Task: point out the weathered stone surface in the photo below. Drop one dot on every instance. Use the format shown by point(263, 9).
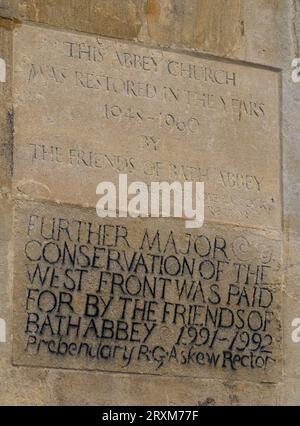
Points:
point(264, 29)
point(134, 296)
point(292, 262)
point(25, 386)
point(6, 168)
point(291, 201)
point(215, 28)
point(87, 109)
point(5, 280)
point(247, 30)
point(291, 367)
point(189, 23)
point(7, 9)
point(289, 392)
point(291, 307)
point(6, 110)
point(138, 389)
point(115, 18)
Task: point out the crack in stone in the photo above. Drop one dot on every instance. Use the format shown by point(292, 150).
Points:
point(295, 40)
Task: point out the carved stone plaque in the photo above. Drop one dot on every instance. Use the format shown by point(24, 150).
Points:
point(131, 296)
point(89, 108)
point(144, 295)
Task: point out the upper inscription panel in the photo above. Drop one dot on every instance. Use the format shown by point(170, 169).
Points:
point(89, 108)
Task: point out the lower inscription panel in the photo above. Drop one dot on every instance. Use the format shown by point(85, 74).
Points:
point(136, 296)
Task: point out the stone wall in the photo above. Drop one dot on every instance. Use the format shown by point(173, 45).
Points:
point(97, 88)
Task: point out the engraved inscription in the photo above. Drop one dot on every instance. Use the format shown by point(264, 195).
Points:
point(100, 295)
point(88, 108)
